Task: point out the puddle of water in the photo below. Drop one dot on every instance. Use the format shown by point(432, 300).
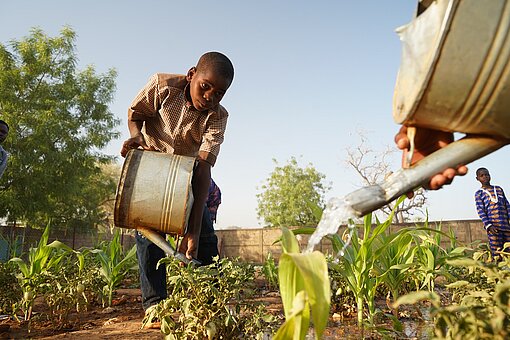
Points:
point(348, 329)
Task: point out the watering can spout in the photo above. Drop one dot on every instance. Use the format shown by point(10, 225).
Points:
point(461, 152)
point(158, 240)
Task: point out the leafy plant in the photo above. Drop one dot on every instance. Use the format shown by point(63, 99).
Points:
point(478, 311)
point(10, 289)
point(304, 286)
point(211, 302)
point(430, 257)
point(395, 256)
point(40, 260)
point(63, 288)
point(358, 262)
point(270, 271)
point(114, 265)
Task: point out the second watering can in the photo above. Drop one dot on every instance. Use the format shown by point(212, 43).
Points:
point(454, 76)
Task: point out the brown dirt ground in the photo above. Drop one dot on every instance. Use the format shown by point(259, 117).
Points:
point(122, 321)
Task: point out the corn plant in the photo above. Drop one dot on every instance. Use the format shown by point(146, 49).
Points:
point(357, 263)
point(430, 257)
point(359, 260)
point(478, 311)
point(270, 271)
point(304, 286)
point(395, 256)
point(114, 265)
point(41, 259)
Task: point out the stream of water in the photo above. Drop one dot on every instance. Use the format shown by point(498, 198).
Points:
point(336, 214)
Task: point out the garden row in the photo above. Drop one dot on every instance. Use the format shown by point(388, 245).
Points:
point(223, 300)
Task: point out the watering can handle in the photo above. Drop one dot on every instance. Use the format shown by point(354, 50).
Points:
point(461, 152)
point(158, 240)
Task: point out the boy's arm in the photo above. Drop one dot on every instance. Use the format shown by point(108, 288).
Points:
point(136, 139)
point(200, 184)
point(145, 104)
point(480, 208)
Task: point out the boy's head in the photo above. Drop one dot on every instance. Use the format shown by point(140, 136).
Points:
point(209, 80)
point(4, 130)
point(483, 176)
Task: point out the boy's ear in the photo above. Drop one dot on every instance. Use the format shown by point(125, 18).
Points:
point(192, 71)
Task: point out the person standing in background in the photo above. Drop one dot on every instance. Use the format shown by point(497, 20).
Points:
point(493, 209)
point(213, 200)
point(4, 131)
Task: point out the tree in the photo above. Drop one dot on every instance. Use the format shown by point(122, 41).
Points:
point(290, 195)
point(373, 167)
point(59, 120)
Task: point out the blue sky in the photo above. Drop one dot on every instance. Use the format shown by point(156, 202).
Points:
point(309, 75)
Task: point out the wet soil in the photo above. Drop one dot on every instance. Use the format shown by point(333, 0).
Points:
point(124, 320)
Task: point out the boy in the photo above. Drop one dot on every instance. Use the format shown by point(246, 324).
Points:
point(4, 130)
point(181, 114)
point(493, 209)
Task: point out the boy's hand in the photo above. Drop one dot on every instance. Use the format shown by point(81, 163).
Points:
point(492, 230)
point(189, 246)
point(426, 142)
point(134, 143)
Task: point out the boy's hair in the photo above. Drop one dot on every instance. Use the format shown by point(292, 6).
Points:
point(480, 170)
point(3, 122)
point(217, 60)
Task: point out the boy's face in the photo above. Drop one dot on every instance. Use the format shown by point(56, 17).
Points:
point(484, 177)
point(207, 88)
point(3, 132)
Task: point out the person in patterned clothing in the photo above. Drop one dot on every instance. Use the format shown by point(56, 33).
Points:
point(4, 155)
point(493, 209)
point(182, 115)
point(213, 200)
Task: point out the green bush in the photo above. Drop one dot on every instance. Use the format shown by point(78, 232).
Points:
point(212, 302)
point(10, 290)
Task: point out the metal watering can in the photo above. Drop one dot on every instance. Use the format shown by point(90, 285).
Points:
point(454, 76)
point(154, 195)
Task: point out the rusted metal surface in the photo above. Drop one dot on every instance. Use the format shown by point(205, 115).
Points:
point(154, 192)
point(455, 68)
point(454, 76)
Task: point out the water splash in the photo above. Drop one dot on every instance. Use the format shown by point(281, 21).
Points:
point(336, 214)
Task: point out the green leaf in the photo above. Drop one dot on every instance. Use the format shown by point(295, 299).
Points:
point(289, 241)
point(296, 324)
point(415, 297)
point(314, 270)
point(458, 284)
point(306, 272)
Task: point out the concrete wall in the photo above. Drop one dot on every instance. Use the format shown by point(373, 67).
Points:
point(253, 245)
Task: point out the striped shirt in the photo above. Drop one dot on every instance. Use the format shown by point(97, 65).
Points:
point(492, 212)
point(172, 124)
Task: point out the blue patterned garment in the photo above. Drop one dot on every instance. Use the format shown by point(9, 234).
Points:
point(3, 160)
point(493, 209)
point(213, 200)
